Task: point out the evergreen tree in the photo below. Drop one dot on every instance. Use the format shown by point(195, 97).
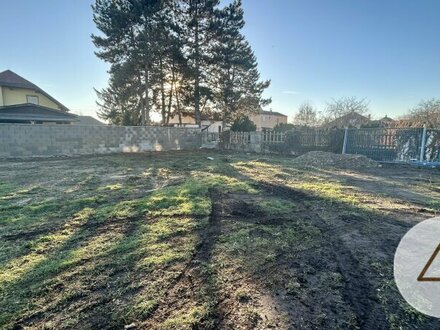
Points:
point(175, 57)
point(120, 103)
point(197, 20)
point(235, 79)
point(131, 34)
point(243, 124)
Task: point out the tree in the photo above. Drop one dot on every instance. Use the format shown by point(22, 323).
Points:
point(306, 115)
point(243, 124)
point(346, 105)
point(427, 112)
point(132, 37)
point(283, 127)
point(196, 17)
point(119, 103)
point(235, 79)
point(174, 57)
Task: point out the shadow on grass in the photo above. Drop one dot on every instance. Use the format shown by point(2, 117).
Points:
point(319, 264)
point(355, 242)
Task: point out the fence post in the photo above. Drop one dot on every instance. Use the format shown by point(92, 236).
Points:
point(423, 144)
point(344, 146)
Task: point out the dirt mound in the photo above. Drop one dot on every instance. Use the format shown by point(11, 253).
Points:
point(322, 159)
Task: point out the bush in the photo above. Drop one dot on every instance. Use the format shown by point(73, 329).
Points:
point(243, 124)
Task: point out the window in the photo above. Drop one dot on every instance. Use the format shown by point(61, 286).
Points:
point(32, 99)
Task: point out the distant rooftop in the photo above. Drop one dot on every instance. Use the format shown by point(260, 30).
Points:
point(88, 121)
point(273, 113)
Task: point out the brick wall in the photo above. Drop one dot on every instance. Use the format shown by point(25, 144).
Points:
point(19, 140)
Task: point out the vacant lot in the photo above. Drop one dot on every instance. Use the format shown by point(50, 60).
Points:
point(175, 240)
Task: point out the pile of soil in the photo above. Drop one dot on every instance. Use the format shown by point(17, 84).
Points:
point(322, 159)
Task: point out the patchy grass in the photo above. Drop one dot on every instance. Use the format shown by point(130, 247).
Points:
point(177, 241)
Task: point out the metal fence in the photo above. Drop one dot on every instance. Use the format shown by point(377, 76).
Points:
point(301, 140)
point(380, 144)
point(394, 144)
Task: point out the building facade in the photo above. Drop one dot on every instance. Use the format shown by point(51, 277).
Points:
point(268, 119)
point(24, 102)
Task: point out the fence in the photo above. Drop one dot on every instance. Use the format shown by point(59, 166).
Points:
point(292, 142)
point(273, 137)
point(242, 141)
point(21, 140)
point(301, 140)
point(381, 144)
point(394, 144)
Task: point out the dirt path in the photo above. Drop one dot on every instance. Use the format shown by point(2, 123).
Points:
point(183, 293)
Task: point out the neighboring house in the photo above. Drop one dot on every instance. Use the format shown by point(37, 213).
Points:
point(88, 121)
point(23, 102)
point(386, 121)
point(268, 119)
point(186, 120)
point(207, 124)
point(383, 122)
point(352, 119)
point(214, 126)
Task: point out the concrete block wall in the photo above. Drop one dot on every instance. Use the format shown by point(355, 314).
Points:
point(20, 140)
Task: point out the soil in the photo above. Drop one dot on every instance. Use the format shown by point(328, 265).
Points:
point(321, 159)
point(322, 264)
point(337, 283)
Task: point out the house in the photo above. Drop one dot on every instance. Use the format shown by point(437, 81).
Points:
point(211, 125)
point(352, 119)
point(386, 121)
point(383, 122)
point(23, 102)
point(268, 119)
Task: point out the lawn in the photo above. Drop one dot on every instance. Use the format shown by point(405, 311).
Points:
point(175, 240)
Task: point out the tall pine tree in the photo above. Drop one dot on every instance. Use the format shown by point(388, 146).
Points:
point(131, 33)
point(175, 57)
point(198, 16)
point(235, 80)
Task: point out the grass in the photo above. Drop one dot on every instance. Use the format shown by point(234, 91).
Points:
point(105, 239)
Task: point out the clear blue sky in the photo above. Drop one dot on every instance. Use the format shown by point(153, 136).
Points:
point(312, 50)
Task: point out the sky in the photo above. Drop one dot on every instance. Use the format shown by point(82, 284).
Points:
point(387, 51)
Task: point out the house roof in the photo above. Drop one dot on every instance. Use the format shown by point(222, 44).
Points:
point(273, 113)
point(9, 78)
point(33, 112)
point(386, 119)
point(350, 119)
point(88, 121)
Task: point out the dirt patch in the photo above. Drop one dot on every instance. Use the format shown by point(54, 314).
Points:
point(320, 159)
point(226, 246)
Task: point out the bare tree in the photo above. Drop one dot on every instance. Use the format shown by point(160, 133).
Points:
point(306, 115)
point(346, 105)
point(426, 112)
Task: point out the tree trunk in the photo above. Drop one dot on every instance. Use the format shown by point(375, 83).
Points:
point(170, 100)
point(179, 112)
point(162, 92)
point(135, 118)
point(146, 115)
point(197, 69)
